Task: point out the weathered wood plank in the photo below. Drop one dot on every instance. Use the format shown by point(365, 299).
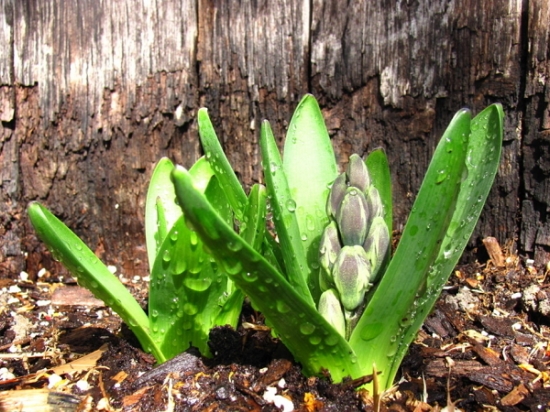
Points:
point(92, 94)
point(535, 132)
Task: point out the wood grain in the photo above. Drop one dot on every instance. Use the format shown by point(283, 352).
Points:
point(92, 94)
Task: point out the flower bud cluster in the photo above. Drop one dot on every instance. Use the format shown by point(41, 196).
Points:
point(353, 246)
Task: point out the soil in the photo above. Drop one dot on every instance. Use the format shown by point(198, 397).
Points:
point(484, 347)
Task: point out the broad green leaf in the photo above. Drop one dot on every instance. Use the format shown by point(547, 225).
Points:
point(310, 168)
point(161, 212)
point(272, 252)
point(377, 334)
point(187, 290)
point(221, 166)
point(252, 231)
point(92, 274)
point(284, 215)
point(303, 330)
point(379, 172)
point(253, 225)
point(482, 161)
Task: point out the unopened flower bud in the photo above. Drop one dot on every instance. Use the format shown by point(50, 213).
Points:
point(351, 273)
point(376, 207)
point(337, 192)
point(331, 310)
point(353, 217)
point(357, 173)
point(328, 253)
point(376, 246)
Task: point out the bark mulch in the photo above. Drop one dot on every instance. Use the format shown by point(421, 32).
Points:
point(483, 348)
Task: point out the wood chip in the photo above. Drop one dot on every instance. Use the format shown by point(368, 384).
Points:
point(494, 251)
point(515, 396)
point(38, 400)
point(75, 296)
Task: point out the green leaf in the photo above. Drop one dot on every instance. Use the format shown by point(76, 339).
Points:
point(379, 172)
point(310, 168)
point(188, 291)
point(303, 330)
point(482, 161)
point(221, 166)
point(253, 227)
point(252, 231)
point(284, 215)
point(161, 211)
point(92, 274)
point(377, 335)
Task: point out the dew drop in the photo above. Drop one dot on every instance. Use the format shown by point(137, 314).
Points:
point(331, 340)
point(291, 205)
point(250, 277)
point(392, 350)
point(232, 267)
point(56, 255)
point(235, 245)
point(198, 285)
point(310, 223)
point(307, 328)
point(315, 340)
point(371, 331)
point(273, 167)
point(441, 176)
point(190, 309)
point(282, 307)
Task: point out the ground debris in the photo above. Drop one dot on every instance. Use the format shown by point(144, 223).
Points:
point(485, 346)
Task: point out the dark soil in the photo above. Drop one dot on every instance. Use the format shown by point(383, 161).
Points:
point(484, 347)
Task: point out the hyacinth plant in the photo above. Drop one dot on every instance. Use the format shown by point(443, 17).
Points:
point(325, 280)
point(188, 293)
point(328, 287)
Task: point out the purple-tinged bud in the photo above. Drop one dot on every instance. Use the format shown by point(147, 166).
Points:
point(357, 173)
point(331, 309)
point(329, 248)
point(337, 192)
point(353, 217)
point(377, 246)
point(376, 207)
point(351, 273)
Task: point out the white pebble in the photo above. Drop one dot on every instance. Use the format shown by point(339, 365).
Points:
point(270, 395)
